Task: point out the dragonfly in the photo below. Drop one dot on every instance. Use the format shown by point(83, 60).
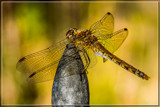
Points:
point(100, 40)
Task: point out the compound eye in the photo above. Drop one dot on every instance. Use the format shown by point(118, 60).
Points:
point(73, 29)
point(69, 32)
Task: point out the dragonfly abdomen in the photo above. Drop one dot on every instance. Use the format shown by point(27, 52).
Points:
point(129, 68)
point(101, 51)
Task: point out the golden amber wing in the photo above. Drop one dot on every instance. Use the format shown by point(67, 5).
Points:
point(104, 26)
point(41, 66)
point(113, 41)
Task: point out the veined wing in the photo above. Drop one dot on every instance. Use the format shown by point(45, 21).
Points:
point(103, 30)
point(113, 41)
point(104, 26)
point(92, 58)
point(41, 66)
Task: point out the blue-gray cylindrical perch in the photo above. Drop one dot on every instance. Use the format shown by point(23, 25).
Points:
point(70, 86)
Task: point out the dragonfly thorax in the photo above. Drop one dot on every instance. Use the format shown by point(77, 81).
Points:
point(86, 38)
point(81, 38)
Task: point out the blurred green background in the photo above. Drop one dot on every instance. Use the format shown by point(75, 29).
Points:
point(30, 27)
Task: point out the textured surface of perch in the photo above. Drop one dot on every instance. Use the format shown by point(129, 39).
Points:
point(70, 87)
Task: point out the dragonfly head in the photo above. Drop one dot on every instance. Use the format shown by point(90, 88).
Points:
point(71, 34)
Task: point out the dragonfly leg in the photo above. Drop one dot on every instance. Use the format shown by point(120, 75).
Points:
point(87, 59)
point(74, 57)
point(70, 47)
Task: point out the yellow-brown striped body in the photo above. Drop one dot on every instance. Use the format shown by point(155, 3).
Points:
point(88, 40)
point(101, 51)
